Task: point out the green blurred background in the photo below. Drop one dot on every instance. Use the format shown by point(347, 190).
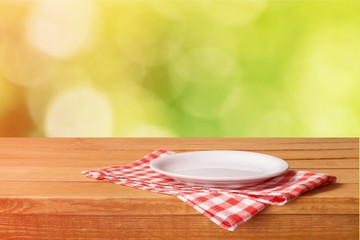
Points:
point(180, 68)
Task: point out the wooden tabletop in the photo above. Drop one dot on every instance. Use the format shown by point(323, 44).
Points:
point(43, 194)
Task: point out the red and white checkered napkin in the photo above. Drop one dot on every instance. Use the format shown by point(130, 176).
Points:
point(226, 207)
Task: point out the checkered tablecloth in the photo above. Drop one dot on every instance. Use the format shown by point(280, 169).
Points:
point(228, 208)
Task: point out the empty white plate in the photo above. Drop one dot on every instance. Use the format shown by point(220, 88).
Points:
point(220, 168)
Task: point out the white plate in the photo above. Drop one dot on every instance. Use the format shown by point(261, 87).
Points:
point(219, 168)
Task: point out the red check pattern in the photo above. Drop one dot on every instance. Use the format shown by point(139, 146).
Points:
point(228, 208)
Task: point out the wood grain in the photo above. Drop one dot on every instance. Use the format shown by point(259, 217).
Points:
point(329, 227)
point(43, 194)
point(145, 203)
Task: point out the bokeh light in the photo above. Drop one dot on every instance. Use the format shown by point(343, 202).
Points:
point(91, 114)
point(60, 28)
point(200, 68)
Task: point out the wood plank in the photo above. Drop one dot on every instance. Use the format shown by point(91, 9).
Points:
point(320, 227)
point(284, 148)
point(324, 164)
point(92, 188)
point(98, 160)
point(74, 174)
point(164, 205)
point(109, 199)
point(44, 196)
point(343, 175)
point(96, 189)
point(99, 154)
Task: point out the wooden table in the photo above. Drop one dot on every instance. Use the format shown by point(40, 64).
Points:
point(44, 196)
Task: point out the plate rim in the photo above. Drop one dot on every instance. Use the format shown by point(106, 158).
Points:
point(219, 179)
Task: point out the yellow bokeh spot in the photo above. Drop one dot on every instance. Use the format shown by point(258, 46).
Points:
point(60, 28)
point(79, 112)
point(235, 13)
